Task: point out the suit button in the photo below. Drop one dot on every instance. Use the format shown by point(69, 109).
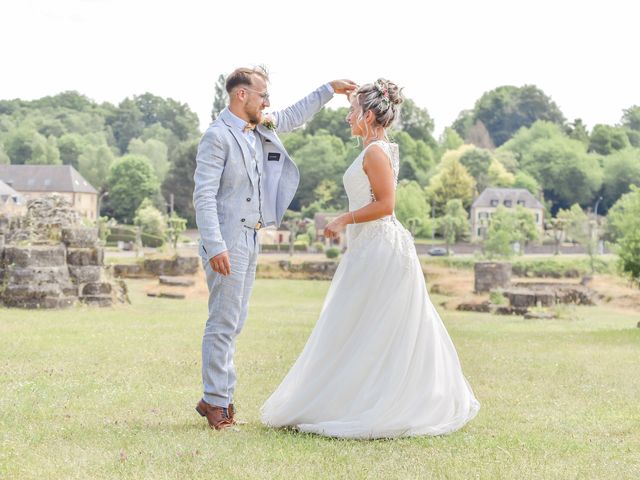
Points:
point(242, 219)
point(248, 199)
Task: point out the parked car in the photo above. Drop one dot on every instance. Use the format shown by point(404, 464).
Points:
point(437, 251)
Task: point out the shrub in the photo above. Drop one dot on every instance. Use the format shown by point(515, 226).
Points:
point(318, 246)
point(332, 252)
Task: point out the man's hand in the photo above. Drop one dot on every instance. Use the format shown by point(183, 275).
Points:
point(220, 263)
point(344, 87)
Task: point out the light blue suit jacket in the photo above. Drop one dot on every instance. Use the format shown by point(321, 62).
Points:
point(222, 196)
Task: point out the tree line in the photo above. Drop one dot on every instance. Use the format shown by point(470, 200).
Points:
point(145, 147)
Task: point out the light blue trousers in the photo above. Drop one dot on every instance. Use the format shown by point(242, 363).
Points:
point(228, 307)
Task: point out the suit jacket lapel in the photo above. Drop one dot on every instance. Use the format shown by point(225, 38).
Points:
point(242, 143)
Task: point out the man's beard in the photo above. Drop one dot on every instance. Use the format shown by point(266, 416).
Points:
point(254, 118)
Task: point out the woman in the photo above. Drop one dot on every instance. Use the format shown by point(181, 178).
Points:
point(379, 362)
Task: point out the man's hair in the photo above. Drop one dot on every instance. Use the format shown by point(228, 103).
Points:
point(243, 76)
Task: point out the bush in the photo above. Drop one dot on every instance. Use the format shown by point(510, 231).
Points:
point(150, 219)
point(332, 252)
point(302, 239)
point(318, 246)
point(497, 298)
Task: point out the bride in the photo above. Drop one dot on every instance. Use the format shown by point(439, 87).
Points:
point(379, 362)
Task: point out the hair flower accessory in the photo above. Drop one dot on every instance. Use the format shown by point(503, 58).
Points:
point(384, 91)
point(269, 122)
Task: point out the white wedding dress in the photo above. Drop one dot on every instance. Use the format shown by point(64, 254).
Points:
point(379, 362)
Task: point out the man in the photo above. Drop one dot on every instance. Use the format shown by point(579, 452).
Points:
point(244, 180)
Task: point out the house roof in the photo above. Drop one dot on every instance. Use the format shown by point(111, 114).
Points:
point(501, 194)
point(44, 178)
point(7, 192)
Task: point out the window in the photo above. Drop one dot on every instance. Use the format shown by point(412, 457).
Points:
point(508, 203)
point(537, 218)
point(483, 215)
point(494, 202)
point(521, 202)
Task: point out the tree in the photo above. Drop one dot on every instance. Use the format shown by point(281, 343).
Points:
point(126, 122)
point(221, 98)
point(4, 158)
point(450, 140)
point(451, 181)
point(155, 151)
point(506, 109)
point(624, 216)
point(498, 176)
point(417, 123)
point(526, 181)
point(568, 174)
point(131, 180)
point(454, 224)
point(175, 227)
point(70, 146)
point(44, 151)
point(561, 165)
point(150, 219)
point(508, 227)
point(579, 228)
point(321, 158)
point(527, 230)
point(463, 123)
point(501, 234)
point(412, 209)
point(621, 170)
point(578, 131)
point(417, 158)
point(169, 113)
point(330, 122)
point(479, 136)
point(606, 139)
point(477, 162)
point(631, 117)
point(94, 164)
point(179, 181)
point(629, 253)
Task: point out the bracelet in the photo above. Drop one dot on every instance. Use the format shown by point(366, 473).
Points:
point(353, 218)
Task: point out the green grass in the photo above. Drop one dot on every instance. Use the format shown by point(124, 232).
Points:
point(91, 393)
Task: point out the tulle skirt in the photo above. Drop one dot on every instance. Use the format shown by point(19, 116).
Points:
point(379, 362)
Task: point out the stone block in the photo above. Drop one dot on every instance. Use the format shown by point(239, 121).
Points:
point(35, 256)
point(82, 257)
point(128, 271)
point(97, 288)
point(491, 275)
point(97, 300)
point(85, 274)
point(176, 281)
point(79, 237)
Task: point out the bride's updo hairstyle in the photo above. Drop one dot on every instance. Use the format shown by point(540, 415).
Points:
point(383, 98)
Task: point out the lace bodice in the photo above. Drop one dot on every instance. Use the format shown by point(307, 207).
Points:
point(387, 229)
point(356, 182)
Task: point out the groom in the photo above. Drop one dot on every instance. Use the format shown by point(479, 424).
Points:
point(244, 180)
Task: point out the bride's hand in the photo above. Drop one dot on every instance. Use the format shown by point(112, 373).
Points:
point(335, 227)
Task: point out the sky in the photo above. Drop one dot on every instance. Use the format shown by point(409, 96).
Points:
point(445, 54)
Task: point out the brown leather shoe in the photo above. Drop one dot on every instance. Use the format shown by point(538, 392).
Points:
point(231, 411)
point(216, 416)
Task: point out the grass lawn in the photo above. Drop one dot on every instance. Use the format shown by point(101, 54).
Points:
point(90, 393)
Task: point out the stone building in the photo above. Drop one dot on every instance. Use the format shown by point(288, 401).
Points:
point(12, 204)
point(37, 181)
point(491, 198)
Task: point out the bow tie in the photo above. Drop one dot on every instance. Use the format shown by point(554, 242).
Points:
point(248, 127)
